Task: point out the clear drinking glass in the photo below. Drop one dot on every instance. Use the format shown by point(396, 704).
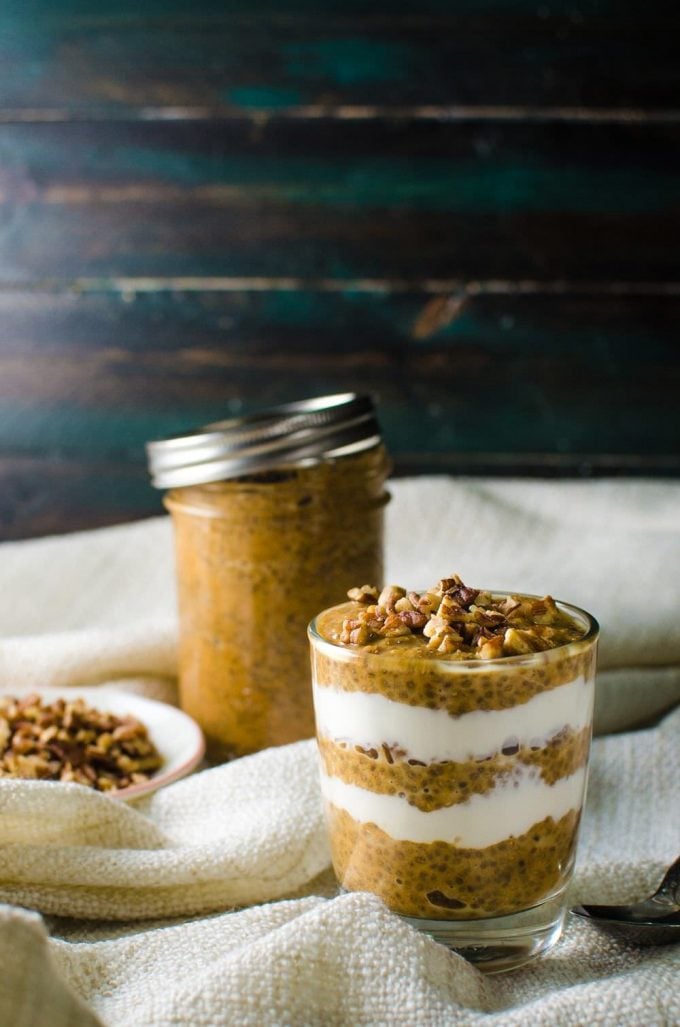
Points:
point(454, 788)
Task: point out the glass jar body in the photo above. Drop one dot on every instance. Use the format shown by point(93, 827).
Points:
point(256, 558)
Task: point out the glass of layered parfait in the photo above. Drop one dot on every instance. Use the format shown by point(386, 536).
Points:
point(454, 729)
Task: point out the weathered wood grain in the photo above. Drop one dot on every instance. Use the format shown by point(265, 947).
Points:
point(96, 375)
point(315, 199)
point(547, 383)
point(124, 57)
point(45, 495)
point(469, 209)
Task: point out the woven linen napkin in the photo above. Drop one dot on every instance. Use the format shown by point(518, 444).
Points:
point(237, 855)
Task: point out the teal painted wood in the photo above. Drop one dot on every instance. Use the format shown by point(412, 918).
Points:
point(119, 58)
point(470, 209)
point(475, 167)
point(44, 495)
point(510, 385)
point(95, 376)
point(323, 199)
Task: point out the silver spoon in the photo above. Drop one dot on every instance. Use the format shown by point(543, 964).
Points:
point(654, 921)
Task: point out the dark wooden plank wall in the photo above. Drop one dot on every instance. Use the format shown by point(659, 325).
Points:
point(472, 209)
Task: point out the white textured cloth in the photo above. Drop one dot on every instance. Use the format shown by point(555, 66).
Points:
point(99, 607)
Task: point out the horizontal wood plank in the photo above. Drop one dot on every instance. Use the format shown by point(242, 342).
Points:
point(45, 495)
point(313, 199)
point(97, 375)
point(125, 57)
point(530, 384)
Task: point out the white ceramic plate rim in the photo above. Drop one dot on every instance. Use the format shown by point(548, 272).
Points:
point(177, 737)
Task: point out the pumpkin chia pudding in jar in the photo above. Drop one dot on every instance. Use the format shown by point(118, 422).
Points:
point(454, 728)
point(264, 509)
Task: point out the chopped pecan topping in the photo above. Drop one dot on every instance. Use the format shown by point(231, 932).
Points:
point(450, 610)
point(457, 620)
point(390, 596)
point(366, 594)
point(464, 595)
point(427, 603)
point(70, 741)
point(413, 619)
point(446, 584)
point(491, 648)
point(394, 626)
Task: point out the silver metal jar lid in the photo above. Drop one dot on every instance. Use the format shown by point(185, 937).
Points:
point(293, 434)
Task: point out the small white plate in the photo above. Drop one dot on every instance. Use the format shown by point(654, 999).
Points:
point(177, 737)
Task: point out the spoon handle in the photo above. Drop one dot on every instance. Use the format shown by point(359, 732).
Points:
point(670, 886)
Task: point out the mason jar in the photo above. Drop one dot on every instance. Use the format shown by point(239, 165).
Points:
point(275, 516)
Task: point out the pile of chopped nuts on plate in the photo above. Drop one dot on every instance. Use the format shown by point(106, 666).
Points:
point(68, 740)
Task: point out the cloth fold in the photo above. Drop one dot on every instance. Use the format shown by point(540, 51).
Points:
point(211, 901)
point(336, 959)
point(340, 962)
point(249, 831)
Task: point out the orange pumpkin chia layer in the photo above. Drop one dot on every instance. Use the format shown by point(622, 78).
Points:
point(412, 676)
point(434, 785)
point(439, 881)
point(407, 668)
point(256, 558)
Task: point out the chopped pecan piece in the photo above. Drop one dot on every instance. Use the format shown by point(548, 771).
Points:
point(360, 635)
point(366, 594)
point(413, 619)
point(389, 597)
point(394, 626)
point(447, 584)
point(491, 648)
point(517, 642)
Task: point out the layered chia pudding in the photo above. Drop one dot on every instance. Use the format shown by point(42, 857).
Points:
point(453, 728)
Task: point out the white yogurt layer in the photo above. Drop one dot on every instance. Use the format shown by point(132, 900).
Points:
point(506, 811)
point(369, 719)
